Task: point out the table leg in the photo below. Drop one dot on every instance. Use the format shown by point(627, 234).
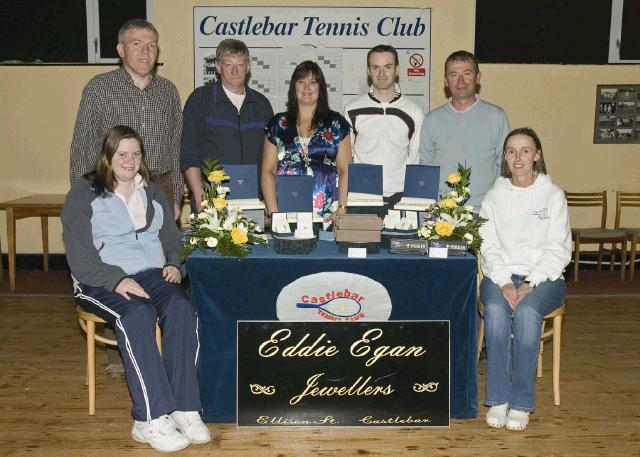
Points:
point(44, 222)
point(11, 240)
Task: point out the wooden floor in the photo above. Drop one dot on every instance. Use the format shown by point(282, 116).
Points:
point(43, 403)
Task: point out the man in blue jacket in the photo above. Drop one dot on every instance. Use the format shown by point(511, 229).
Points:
point(224, 120)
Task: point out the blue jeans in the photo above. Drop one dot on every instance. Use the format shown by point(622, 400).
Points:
point(513, 340)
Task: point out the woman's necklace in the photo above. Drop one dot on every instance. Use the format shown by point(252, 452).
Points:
point(304, 145)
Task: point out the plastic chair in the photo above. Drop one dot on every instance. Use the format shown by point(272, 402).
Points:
point(628, 199)
point(88, 323)
point(596, 235)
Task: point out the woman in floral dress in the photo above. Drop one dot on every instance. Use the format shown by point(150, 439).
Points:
point(308, 139)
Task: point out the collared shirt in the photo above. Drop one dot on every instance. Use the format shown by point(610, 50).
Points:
point(475, 102)
point(136, 204)
point(111, 99)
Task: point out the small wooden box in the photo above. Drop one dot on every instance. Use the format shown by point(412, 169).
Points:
point(359, 230)
point(359, 222)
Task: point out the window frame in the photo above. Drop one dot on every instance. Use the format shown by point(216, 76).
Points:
point(615, 33)
point(94, 49)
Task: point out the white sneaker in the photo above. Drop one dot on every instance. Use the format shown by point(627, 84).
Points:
point(160, 433)
point(497, 416)
point(517, 420)
point(191, 425)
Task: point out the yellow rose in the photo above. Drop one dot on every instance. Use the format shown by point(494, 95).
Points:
point(454, 178)
point(444, 228)
point(238, 236)
point(219, 203)
point(217, 176)
point(448, 203)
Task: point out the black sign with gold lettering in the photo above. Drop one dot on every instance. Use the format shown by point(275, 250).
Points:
point(343, 374)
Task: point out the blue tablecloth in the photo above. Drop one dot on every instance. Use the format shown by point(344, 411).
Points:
point(225, 290)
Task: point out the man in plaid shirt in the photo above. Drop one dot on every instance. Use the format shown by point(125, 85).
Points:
point(133, 96)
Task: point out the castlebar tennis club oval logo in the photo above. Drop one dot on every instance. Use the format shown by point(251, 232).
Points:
point(334, 296)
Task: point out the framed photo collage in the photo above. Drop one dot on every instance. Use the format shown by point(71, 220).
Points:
point(617, 118)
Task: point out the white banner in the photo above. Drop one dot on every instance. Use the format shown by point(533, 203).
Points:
point(334, 296)
point(336, 38)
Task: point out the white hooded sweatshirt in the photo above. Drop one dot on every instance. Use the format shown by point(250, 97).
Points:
point(527, 232)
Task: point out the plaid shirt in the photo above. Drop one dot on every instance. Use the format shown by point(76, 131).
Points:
point(112, 99)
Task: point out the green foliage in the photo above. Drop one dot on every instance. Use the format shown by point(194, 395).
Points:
point(217, 227)
point(449, 218)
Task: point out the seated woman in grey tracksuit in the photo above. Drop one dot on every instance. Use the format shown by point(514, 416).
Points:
point(123, 248)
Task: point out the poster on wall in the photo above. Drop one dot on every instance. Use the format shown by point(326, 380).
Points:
point(338, 39)
point(617, 114)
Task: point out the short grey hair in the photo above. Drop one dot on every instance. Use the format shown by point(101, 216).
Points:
point(231, 46)
point(462, 56)
point(135, 24)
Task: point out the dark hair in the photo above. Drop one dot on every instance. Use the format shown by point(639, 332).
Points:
point(461, 56)
point(383, 48)
point(135, 24)
point(538, 166)
point(102, 178)
point(322, 108)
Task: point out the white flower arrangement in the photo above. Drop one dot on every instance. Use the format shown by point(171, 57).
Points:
point(218, 227)
point(449, 218)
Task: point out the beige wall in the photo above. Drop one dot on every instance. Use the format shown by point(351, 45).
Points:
point(39, 106)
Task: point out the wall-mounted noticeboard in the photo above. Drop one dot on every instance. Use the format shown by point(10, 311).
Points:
point(337, 38)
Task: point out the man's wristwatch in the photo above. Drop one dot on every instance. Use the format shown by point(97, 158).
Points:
point(529, 283)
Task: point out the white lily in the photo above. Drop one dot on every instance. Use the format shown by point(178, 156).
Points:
point(227, 224)
point(213, 222)
point(454, 220)
point(234, 213)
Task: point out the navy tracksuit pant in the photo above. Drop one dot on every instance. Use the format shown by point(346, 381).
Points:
point(158, 384)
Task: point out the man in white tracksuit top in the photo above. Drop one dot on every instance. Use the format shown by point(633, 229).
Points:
point(386, 124)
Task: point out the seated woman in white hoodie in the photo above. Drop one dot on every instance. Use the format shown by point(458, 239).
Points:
point(526, 246)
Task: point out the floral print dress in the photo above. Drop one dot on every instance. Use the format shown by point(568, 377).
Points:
point(320, 159)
